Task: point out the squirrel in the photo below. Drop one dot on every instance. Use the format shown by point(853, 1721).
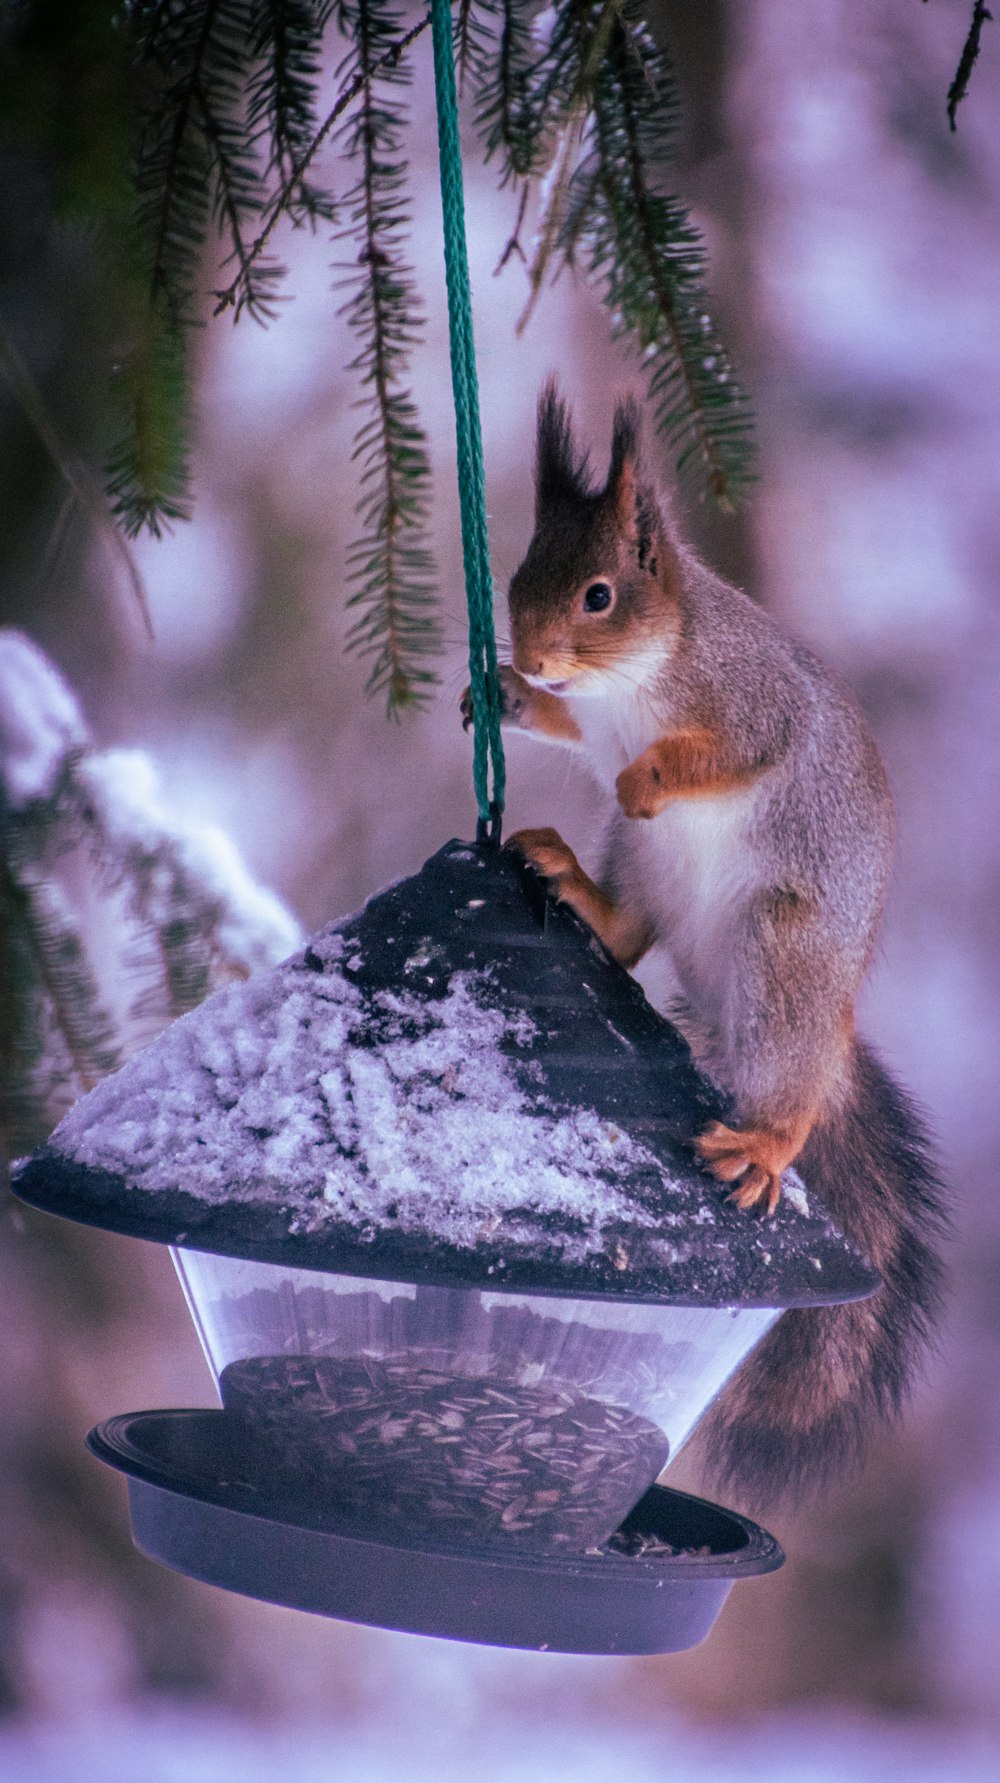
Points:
point(752, 838)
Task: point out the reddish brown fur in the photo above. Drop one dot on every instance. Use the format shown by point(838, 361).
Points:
point(624, 938)
point(754, 1156)
point(802, 1406)
point(692, 761)
point(530, 709)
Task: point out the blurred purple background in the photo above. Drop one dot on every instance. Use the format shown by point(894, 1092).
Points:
point(855, 256)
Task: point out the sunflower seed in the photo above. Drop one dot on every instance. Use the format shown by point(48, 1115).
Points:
point(403, 1444)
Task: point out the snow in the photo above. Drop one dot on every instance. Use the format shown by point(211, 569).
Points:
point(274, 1089)
point(252, 925)
point(543, 26)
point(795, 1192)
point(431, 1744)
point(40, 722)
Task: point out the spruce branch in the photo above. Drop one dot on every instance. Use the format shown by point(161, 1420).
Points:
point(185, 893)
point(236, 197)
point(49, 982)
point(233, 296)
point(647, 255)
point(27, 1062)
point(637, 243)
point(212, 105)
point(147, 475)
point(194, 163)
point(113, 918)
point(390, 564)
point(513, 244)
point(174, 165)
point(581, 108)
point(66, 93)
point(468, 36)
point(65, 975)
point(535, 98)
point(502, 55)
point(287, 40)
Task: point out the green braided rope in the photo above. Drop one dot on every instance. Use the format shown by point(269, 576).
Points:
point(484, 676)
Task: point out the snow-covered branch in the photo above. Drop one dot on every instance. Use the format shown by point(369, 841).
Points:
point(114, 916)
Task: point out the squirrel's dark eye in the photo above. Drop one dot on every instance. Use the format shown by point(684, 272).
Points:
point(598, 597)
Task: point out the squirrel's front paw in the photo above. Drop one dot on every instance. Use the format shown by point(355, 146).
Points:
point(546, 851)
point(640, 787)
point(514, 695)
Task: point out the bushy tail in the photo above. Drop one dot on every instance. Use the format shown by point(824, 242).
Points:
point(802, 1408)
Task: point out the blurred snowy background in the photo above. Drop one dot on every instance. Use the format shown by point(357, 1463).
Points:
point(855, 265)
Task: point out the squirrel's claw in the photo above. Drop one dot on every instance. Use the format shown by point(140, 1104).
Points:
point(545, 850)
point(746, 1158)
point(511, 698)
point(758, 1189)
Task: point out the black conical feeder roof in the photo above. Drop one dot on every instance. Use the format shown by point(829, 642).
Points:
point(456, 1086)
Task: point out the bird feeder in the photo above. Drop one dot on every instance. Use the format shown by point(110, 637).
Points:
point(429, 1191)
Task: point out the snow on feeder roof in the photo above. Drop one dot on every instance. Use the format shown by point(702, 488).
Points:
point(458, 1086)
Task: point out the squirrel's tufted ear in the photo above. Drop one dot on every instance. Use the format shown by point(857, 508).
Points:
point(631, 500)
point(560, 470)
point(624, 446)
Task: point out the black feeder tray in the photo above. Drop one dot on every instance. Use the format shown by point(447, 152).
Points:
point(429, 1191)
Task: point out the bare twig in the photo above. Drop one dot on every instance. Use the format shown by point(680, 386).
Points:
point(514, 244)
point(84, 487)
point(556, 183)
point(553, 189)
point(967, 61)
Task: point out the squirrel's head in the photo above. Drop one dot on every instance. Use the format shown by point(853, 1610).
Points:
point(595, 597)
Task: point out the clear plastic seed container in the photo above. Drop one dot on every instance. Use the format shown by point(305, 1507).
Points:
point(523, 1419)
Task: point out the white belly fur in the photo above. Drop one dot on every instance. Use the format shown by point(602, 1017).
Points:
point(691, 867)
point(695, 875)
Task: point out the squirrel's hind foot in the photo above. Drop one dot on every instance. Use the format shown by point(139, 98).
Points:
point(752, 1158)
